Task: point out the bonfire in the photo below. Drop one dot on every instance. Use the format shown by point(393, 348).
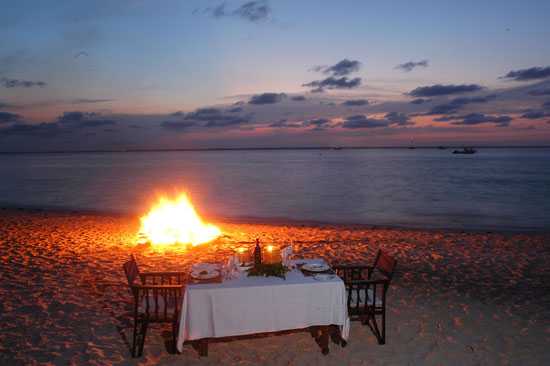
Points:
point(175, 221)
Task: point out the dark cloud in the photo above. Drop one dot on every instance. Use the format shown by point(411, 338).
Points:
point(7, 117)
point(355, 102)
point(38, 130)
point(90, 101)
point(252, 11)
point(409, 66)
point(235, 110)
point(546, 104)
point(398, 118)
point(285, 124)
point(178, 114)
point(362, 121)
point(539, 92)
point(455, 104)
point(298, 98)
point(535, 114)
point(439, 90)
point(480, 118)
point(420, 101)
point(342, 68)
point(83, 119)
point(333, 83)
point(177, 125)
point(533, 73)
point(17, 83)
point(318, 124)
point(267, 98)
point(214, 117)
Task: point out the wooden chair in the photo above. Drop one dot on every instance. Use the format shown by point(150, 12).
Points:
point(157, 299)
point(366, 287)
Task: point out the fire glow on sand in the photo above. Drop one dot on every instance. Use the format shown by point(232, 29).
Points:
point(175, 221)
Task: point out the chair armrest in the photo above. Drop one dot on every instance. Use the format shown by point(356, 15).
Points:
point(352, 272)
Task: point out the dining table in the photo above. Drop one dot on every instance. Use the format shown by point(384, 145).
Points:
point(242, 305)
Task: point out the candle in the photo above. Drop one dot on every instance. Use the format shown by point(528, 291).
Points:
point(272, 254)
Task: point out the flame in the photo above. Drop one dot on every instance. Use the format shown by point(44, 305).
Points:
point(176, 222)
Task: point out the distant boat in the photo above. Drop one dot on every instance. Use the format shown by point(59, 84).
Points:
point(466, 150)
point(442, 147)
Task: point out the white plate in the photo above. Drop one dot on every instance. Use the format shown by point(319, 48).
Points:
point(324, 277)
point(204, 267)
point(315, 267)
point(204, 276)
point(245, 268)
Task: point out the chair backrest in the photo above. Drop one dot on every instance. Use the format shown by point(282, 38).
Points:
point(131, 270)
point(385, 263)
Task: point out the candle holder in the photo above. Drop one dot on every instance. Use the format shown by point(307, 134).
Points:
point(271, 254)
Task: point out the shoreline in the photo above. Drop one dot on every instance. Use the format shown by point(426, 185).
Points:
point(282, 221)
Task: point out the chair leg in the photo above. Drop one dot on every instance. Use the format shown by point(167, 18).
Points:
point(143, 333)
point(383, 340)
point(135, 338)
point(175, 328)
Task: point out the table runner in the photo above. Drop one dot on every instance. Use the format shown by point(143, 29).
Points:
point(249, 305)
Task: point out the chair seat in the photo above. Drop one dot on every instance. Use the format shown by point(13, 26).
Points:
point(370, 296)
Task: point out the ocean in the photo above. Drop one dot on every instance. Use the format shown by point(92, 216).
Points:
point(494, 189)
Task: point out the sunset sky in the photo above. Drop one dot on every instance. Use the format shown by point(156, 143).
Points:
point(80, 75)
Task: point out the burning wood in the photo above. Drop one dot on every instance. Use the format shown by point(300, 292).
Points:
point(175, 221)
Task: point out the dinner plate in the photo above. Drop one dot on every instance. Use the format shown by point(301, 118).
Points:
point(315, 267)
point(204, 274)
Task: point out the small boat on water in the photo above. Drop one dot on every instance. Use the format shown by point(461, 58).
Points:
point(466, 150)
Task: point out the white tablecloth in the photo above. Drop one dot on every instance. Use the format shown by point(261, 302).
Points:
point(248, 305)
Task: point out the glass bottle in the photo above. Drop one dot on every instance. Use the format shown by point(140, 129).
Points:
point(257, 253)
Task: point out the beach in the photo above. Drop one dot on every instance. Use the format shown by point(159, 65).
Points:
point(458, 298)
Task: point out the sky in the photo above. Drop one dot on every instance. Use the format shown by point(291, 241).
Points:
point(137, 74)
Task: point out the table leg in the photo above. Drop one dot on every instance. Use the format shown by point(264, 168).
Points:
point(203, 347)
point(323, 340)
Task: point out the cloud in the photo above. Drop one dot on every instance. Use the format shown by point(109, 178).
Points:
point(298, 98)
point(398, 118)
point(83, 119)
point(38, 130)
point(17, 83)
point(362, 121)
point(454, 104)
point(214, 117)
point(409, 66)
point(342, 68)
point(7, 117)
point(420, 101)
point(333, 83)
point(439, 90)
point(539, 92)
point(285, 124)
point(319, 124)
point(177, 125)
point(235, 110)
point(355, 102)
point(532, 73)
point(90, 101)
point(480, 118)
point(252, 11)
point(546, 104)
point(535, 114)
point(267, 98)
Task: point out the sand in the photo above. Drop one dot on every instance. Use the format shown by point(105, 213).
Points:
point(458, 298)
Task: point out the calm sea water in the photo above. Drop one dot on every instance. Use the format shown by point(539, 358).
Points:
point(494, 189)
